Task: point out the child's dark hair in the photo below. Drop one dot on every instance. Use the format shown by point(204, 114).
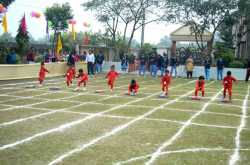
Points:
point(201, 78)
point(229, 73)
point(12, 49)
point(42, 63)
point(133, 81)
point(167, 71)
point(70, 64)
point(80, 70)
point(112, 66)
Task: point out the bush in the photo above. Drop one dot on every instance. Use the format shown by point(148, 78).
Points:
point(236, 64)
point(40, 58)
point(245, 63)
point(226, 53)
point(18, 59)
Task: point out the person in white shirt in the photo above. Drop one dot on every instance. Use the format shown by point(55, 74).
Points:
point(90, 59)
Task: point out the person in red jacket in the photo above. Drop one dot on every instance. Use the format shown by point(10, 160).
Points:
point(84, 79)
point(165, 81)
point(227, 82)
point(111, 74)
point(200, 87)
point(133, 87)
point(70, 75)
point(43, 70)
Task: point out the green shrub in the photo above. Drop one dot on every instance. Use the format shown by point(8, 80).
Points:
point(40, 58)
point(18, 59)
point(245, 63)
point(236, 64)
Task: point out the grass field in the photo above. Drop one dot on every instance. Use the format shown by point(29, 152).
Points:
point(41, 126)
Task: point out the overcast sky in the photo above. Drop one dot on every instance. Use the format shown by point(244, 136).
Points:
point(37, 27)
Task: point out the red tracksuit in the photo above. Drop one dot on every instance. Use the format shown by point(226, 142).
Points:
point(112, 75)
point(227, 82)
point(70, 75)
point(200, 87)
point(83, 80)
point(135, 87)
point(165, 80)
point(43, 70)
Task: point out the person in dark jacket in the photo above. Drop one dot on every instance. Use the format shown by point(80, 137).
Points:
point(174, 65)
point(100, 59)
point(208, 62)
point(71, 59)
point(160, 65)
point(152, 60)
point(11, 57)
point(142, 59)
point(220, 68)
point(164, 64)
point(124, 63)
point(248, 71)
point(31, 56)
point(92, 51)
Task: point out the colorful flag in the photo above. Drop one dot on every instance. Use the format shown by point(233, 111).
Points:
point(59, 45)
point(47, 27)
point(4, 24)
point(86, 40)
point(73, 32)
point(23, 26)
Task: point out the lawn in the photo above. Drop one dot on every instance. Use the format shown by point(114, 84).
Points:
point(43, 126)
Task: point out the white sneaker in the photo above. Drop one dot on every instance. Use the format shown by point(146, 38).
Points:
point(67, 86)
point(84, 88)
point(88, 75)
point(164, 93)
point(138, 75)
point(144, 75)
point(175, 77)
point(155, 76)
point(40, 85)
point(92, 75)
point(111, 90)
point(72, 84)
point(77, 88)
point(202, 98)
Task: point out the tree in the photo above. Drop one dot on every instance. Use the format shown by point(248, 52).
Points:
point(22, 40)
point(208, 15)
point(225, 32)
point(165, 41)
point(6, 3)
point(58, 14)
point(8, 36)
point(127, 12)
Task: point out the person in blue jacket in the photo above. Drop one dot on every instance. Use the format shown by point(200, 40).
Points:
point(164, 63)
point(100, 59)
point(174, 65)
point(152, 60)
point(143, 59)
point(220, 68)
point(11, 57)
point(124, 63)
point(160, 65)
point(208, 62)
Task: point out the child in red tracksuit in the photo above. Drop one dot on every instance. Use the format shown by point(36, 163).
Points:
point(43, 70)
point(165, 81)
point(84, 79)
point(200, 87)
point(133, 87)
point(111, 74)
point(227, 82)
point(70, 75)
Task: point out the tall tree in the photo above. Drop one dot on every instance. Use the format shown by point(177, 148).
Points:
point(58, 14)
point(208, 15)
point(165, 41)
point(114, 13)
point(22, 40)
point(6, 3)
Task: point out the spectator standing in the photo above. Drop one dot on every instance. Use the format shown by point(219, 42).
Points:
point(31, 56)
point(100, 59)
point(143, 60)
point(220, 68)
point(90, 59)
point(65, 57)
point(174, 65)
point(60, 57)
point(48, 56)
point(248, 71)
point(76, 58)
point(153, 60)
point(11, 57)
point(189, 66)
point(159, 64)
point(92, 52)
point(208, 62)
point(165, 63)
point(71, 59)
point(124, 63)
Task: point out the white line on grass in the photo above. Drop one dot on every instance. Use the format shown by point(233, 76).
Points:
point(167, 143)
point(62, 126)
point(114, 131)
point(235, 157)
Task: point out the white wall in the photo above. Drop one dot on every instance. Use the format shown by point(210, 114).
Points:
point(107, 65)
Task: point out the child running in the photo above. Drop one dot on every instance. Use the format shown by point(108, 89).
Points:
point(133, 87)
point(43, 70)
point(111, 74)
point(200, 87)
point(70, 75)
point(227, 82)
point(84, 79)
point(165, 81)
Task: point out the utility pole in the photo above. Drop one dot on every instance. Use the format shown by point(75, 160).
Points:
point(143, 27)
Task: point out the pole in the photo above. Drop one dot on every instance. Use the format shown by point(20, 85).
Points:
point(143, 28)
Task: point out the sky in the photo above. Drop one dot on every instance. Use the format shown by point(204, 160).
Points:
point(37, 27)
